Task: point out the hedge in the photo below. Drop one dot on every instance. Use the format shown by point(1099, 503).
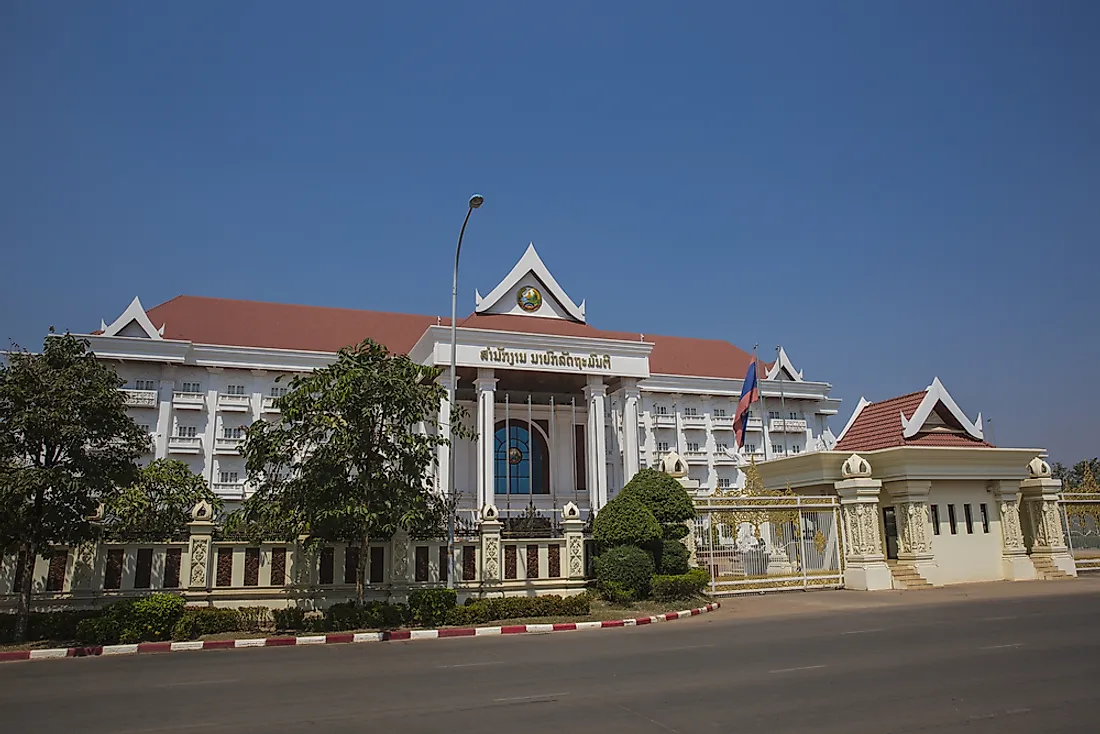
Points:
point(199, 621)
point(146, 619)
point(625, 521)
point(429, 607)
point(623, 573)
point(480, 611)
point(681, 586)
point(59, 625)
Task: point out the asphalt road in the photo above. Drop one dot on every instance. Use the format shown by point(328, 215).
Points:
point(825, 662)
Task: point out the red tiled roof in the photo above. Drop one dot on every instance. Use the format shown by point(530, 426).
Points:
point(229, 322)
point(878, 426)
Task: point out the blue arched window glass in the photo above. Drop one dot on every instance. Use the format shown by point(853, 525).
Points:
point(521, 464)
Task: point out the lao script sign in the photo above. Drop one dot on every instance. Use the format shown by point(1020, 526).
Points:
point(547, 358)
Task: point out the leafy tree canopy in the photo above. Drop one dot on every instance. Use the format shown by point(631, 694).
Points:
point(346, 461)
point(625, 521)
point(66, 443)
point(1075, 476)
point(157, 507)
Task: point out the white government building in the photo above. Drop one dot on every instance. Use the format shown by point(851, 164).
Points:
point(585, 408)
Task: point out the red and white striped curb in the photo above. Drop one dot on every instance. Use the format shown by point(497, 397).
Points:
point(343, 637)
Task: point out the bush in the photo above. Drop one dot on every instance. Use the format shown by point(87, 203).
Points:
point(199, 621)
point(675, 531)
point(480, 611)
point(291, 619)
point(628, 567)
point(59, 625)
point(151, 618)
point(662, 495)
point(96, 631)
point(429, 607)
point(617, 594)
point(625, 521)
point(674, 558)
point(681, 586)
point(255, 619)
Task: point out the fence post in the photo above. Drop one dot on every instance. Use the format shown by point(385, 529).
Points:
point(573, 526)
point(201, 530)
point(1039, 493)
point(85, 557)
point(866, 567)
point(489, 529)
point(399, 572)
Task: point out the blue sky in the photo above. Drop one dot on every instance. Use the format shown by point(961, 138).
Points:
point(893, 191)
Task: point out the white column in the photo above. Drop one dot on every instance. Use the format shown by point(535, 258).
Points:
point(1017, 566)
point(444, 454)
point(631, 396)
point(1039, 494)
point(164, 417)
point(486, 429)
point(910, 498)
point(866, 567)
point(595, 393)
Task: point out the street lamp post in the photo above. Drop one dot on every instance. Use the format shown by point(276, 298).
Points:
point(475, 201)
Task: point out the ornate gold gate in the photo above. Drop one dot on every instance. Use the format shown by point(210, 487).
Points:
point(1081, 522)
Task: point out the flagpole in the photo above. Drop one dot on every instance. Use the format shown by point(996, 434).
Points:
point(763, 409)
point(782, 402)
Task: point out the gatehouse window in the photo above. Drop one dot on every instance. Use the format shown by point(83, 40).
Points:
point(985, 517)
point(521, 460)
point(936, 519)
point(951, 519)
point(969, 519)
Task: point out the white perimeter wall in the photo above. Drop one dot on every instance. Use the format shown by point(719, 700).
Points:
point(965, 557)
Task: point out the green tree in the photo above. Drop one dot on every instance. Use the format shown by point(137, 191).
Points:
point(625, 521)
point(1075, 477)
point(345, 462)
point(157, 507)
point(66, 443)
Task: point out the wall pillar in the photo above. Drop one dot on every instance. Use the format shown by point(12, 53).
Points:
point(486, 435)
point(490, 528)
point(865, 563)
point(399, 570)
point(1014, 558)
point(631, 397)
point(595, 393)
point(910, 499)
point(201, 530)
point(573, 527)
point(1039, 493)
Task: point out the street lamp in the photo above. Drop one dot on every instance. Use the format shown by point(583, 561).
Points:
point(475, 201)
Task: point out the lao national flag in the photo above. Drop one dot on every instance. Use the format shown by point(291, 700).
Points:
point(749, 395)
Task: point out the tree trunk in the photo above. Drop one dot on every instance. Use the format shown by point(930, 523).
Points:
point(361, 571)
point(23, 608)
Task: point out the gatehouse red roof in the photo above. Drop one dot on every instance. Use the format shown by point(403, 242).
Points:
point(878, 426)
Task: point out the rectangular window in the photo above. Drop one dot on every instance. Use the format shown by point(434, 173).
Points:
point(662, 447)
point(792, 415)
point(421, 564)
point(719, 412)
point(192, 387)
point(796, 449)
point(773, 413)
point(691, 411)
point(351, 564)
point(581, 455)
point(660, 410)
point(278, 566)
point(251, 566)
point(225, 567)
point(693, 448)
point(444, 564)
point(328, 560)
point(721, 447)
point(510, 561)
point(969, 519)
point(143, 573)
point(553, 561)
point(377, 563)
point(55, 576)
point(145, 427)
point(951, 519)
point(235, 432)
point(278, 392)
point(724, 483)
point(935, 519)
point(228, 477)
point(186, 431)
point(532, 559)
point(751, 448)
point(777, 448)
point(112, 577)
point(469, 562)
point(173, 558)
point(145, 385)
point(234, 390)
point(985, 517)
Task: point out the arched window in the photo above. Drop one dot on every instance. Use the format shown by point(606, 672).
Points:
point(521, 460)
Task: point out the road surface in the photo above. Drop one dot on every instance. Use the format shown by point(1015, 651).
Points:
point(993, 658)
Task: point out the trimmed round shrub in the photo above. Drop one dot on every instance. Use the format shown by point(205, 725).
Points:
point(664, 496)
point(624, 521)
point(675, 531)
point(625, 568)
point(674, 558)
point(429, 607)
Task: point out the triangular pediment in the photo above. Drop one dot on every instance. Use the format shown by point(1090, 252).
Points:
point(783, 368)
point(134, 323)
point(530, 290)
point(939, 413)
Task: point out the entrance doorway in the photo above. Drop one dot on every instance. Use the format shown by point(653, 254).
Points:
point(890, 526)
